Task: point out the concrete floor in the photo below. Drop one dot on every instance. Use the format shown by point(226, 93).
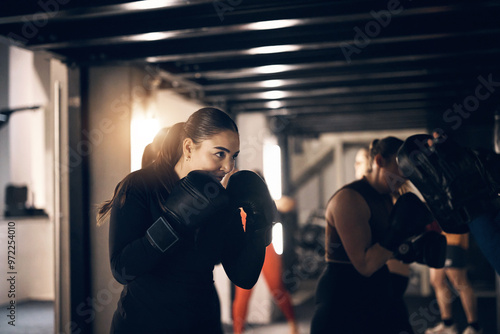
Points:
point(33, 317)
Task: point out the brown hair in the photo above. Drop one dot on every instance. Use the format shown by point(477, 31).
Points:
point(151, 151)
point(201, 125)
point(387, 147)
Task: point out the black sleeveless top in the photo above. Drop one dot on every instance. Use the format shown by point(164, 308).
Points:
point(380, 206)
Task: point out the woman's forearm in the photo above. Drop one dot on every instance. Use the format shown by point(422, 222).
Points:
point(374, 258)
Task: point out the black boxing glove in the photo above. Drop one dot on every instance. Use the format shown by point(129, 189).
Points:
point(428, 248)
point(408, 217)
point(455, 181)
point(194, 198)
point(249, 191)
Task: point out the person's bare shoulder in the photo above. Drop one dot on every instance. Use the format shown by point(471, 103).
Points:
point(346, 203)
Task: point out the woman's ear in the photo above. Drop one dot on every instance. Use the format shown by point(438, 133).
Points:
point(187, 147)
point(379, 160)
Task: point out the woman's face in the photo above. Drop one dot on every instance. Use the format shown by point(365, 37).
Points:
point(216, 154)
point(392, 174)
point(360, 163)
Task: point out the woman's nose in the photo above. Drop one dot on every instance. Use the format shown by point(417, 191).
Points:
point(228, 165)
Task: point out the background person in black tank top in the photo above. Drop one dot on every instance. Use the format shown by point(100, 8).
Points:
point(354, 292)
point(398, 270)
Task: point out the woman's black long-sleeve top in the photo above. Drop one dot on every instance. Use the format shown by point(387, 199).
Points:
point(180, 280)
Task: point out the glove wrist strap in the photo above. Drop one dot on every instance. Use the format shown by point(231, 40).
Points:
point(161, 235)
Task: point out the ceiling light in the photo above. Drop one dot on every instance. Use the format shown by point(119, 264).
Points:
point(274, 94)
point(274, 24)
point(152, 36)
point(275, 104)
point(272, 83)
point(273, 49)
point(151, 4)
point(272, 69)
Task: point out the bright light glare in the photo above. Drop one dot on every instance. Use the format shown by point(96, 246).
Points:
point(152, 36)
point(273, 49)
point(274, 24)
point(275, 104)
point(272, 83)
point(274, 94)
point(272, 169)
point(150, 4)
point(278, 238)
point(142, 132)
point(267, 69)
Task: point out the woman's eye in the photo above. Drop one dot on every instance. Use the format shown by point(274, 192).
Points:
point(220, 154)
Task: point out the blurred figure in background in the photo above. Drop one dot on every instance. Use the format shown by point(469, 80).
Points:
point(364, 230)
point(456, 272)
point(398, 270)
point(361, 163)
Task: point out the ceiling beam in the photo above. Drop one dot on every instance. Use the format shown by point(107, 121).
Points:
point(330, 91)
point(246, 72)
point(431, 97)
point(292, 48)
point(202, 31)
point(90, 12)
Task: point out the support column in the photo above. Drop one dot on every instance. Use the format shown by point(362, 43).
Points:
point(496, 142)
point(79, 149)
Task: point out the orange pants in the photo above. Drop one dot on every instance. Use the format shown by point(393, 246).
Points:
point(272, 271)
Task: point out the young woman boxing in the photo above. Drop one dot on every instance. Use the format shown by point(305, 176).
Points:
point(172, 221)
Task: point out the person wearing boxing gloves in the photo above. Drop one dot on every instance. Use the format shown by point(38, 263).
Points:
point(171, 222)
point(407, 236)
point(460, 185)
point(363, 232)
point(428, 248)
point(408, 218)
point(399, 271)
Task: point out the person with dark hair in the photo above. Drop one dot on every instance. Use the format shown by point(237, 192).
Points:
point(399, 271)
point(151, 150)
point(364, 230)
point(172, 221)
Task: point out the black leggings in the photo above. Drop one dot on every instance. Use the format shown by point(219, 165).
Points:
point(399, 283)
point(349, 303)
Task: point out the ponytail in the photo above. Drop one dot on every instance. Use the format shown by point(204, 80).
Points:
point(104, 210)
point(164, 166)
point(169, 155)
